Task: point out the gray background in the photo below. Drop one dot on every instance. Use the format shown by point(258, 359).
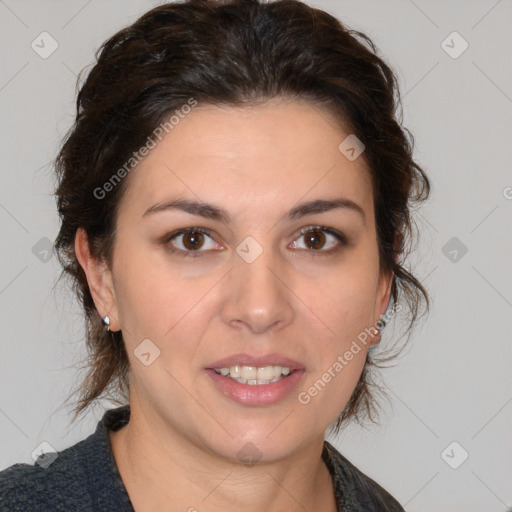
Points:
point(453, 383)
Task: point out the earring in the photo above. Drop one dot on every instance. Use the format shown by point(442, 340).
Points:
point(106, 322)
point(379, 325)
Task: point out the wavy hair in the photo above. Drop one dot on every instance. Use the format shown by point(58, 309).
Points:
point(236, 53)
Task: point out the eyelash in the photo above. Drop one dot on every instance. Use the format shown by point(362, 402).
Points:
point(342, 239)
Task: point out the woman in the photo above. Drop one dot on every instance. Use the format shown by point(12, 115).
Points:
point(234, 198)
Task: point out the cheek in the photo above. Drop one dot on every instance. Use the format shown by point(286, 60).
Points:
point(342, 304)
point(343, 300)
point(142, 293)
point(155, 302)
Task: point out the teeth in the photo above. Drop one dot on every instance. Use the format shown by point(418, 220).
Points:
point(266, 373)
point(254, 375)
point(248, 372)
point(234, 371)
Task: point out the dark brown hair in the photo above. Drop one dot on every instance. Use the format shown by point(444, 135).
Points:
point(234, 52)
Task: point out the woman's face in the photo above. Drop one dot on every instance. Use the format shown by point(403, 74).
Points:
point(250, 290)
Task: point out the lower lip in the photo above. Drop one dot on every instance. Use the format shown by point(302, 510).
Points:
point(258, 394)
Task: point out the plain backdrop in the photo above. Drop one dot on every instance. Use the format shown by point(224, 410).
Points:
point(450, 392)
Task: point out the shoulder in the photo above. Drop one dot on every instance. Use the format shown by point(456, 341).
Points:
point(355, 490)
point(55, 480)
point(83, 477)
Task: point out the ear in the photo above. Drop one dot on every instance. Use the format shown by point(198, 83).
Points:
point(382, 301)
point(99, 279)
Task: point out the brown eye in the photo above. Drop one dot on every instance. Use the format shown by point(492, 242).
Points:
point(193, 240)
point(317, 239)
point(190, 242)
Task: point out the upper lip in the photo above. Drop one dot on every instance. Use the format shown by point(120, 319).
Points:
point(249, 360)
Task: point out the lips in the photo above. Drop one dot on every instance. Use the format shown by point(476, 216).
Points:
point(254, 393)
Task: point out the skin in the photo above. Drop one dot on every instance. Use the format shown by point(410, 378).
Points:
point(180, 446)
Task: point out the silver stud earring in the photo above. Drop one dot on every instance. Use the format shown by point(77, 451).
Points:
point(106, 322)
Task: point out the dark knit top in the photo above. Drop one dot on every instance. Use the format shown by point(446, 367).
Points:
point(85, 478)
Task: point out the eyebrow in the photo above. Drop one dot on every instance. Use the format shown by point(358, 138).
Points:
point(210, 211)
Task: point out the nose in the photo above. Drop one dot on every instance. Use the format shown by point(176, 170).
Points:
point(257, 296)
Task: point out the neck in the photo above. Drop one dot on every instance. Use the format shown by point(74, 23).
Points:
point(160, 467)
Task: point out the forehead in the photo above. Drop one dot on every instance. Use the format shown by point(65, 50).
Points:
point(271, 154)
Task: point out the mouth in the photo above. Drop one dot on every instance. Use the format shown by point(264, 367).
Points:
point(253, 375)
point(256, 381)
